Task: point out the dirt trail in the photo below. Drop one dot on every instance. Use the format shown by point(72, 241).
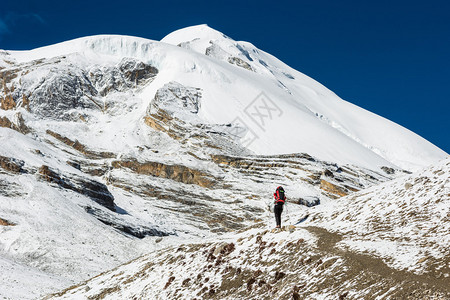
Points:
point(368, 270)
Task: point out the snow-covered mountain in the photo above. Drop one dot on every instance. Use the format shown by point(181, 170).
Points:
point(114, 146)
point(295, 115)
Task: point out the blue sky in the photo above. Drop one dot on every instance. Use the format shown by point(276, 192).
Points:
point(390, 57)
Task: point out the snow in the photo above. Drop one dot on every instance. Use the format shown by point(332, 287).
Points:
point(309, 117)
point(56, 243)
point(386, 139)
point(152, 287)
point(403, 221)
point(148, 276)
point(22, 282)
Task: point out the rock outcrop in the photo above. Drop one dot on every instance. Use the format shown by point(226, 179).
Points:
point(80, 147)
point(333, 190)
point(97, 191)
point(19, 124)
point(335, 184)
point(4, 222)
point(240, 63)
point(178, 173)
point(173, 110)
point(11, 164)
point(67, 87)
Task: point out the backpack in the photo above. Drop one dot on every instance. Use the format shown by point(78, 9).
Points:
point(279, 195)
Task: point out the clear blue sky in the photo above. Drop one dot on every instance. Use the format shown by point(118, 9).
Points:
point(390, 57)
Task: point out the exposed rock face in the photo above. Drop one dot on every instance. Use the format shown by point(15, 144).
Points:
point(4, 222)
point(80, 147)
point(60, 93)
point(127, 228)
point(6, 100)
point(66, 86)
point(388, 170)
point(240, 63)
point(19, 124)
point(193, 204)
point(178, 100)
point(255, 162)
point(334, 190)
point(93, 189)
point(128, 74)
point(7, 103)
point(175, 172)
point(5, 122)
point(11, 165)
point(336, 185)
point(9, 188)
point(328, 173)
point(174, 109)
point(157, 121)
point(217, 52)
point(309, 202)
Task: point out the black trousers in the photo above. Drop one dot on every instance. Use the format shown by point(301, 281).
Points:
point(278, 209)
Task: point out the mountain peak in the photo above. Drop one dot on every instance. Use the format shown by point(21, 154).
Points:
point(197, 32)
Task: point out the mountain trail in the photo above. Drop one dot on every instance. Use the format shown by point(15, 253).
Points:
point(372, 267)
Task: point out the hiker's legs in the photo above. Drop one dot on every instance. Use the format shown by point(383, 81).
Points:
point(278, 209)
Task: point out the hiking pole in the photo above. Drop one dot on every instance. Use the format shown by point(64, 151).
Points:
point(287, 213)
point(269, 209)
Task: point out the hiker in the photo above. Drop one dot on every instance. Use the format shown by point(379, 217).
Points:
point(279, 202)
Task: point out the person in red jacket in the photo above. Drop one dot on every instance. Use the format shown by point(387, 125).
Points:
point(280, 198)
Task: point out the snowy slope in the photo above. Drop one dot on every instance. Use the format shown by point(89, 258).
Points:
point(390, 141)
point(388, 242)
point(53, 242)
point(405, 221)
point(304, 116)
point(22, 282)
